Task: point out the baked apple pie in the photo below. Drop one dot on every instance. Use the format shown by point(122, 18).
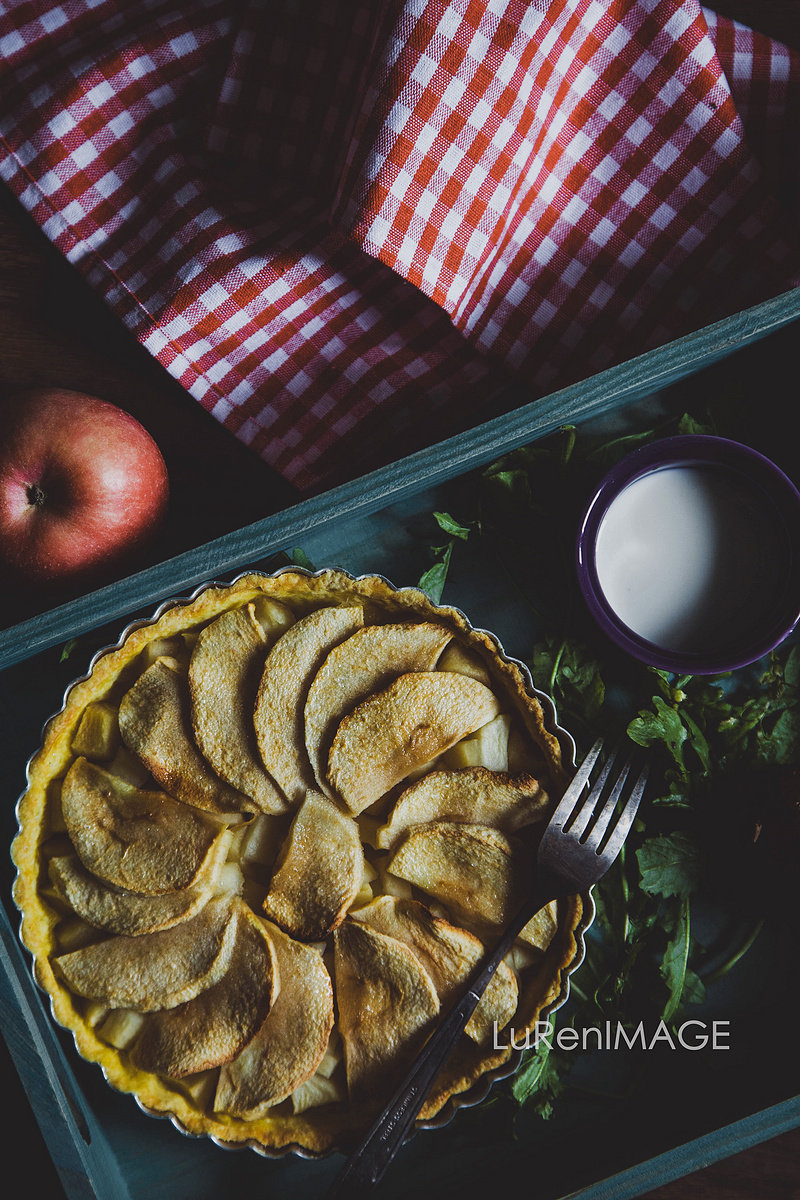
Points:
point(266, 839)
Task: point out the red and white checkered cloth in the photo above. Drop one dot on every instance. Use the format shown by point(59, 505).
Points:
point(346, 227)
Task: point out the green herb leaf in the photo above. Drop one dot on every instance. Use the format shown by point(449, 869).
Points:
point(689, 424)
point(674, 963)
point(569, 434)
point(507, 492)
point(698, 741)
point(433, 580)
point(566, 670)
point(611, 897)
point(670, 865)
point(664, 725)
point(540, 1079)
point(791, 671)
point(612, 451)
point(782, 744)
point(677, 797)
point(694, 990)
point(451, 526)
point(67, 649)
point(301, 559)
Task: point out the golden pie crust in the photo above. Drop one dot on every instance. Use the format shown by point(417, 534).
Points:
point(541, 972)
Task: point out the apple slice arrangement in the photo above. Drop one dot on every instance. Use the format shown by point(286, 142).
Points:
point(83, 487)
point(397, 768)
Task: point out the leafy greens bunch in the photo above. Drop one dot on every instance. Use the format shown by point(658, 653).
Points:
point(718, 746)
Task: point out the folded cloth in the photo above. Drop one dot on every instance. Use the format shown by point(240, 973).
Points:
point(347, 227)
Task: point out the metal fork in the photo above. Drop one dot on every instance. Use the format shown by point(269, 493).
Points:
point(581, 841)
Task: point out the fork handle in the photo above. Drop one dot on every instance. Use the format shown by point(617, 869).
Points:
point(367, 1165)
point(388, 1132)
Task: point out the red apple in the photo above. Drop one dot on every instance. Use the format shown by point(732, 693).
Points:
point(82, 486)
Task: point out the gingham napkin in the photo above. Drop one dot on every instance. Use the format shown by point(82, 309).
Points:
point(347, 226)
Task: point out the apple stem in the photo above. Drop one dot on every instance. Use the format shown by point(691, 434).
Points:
point(36, 495)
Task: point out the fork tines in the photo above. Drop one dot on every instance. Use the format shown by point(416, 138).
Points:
point(568, 801)
point(613, 843)
point(589, 818)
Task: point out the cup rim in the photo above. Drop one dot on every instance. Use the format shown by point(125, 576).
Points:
point(676, 450)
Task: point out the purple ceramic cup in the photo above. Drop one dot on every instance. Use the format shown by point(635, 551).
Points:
point(751, 606)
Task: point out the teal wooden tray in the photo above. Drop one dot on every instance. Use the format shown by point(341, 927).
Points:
point(615, 1144)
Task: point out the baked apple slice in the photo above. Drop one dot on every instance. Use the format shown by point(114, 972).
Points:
point(224, 673)
point(387, 1004)
point(155, 725)
point(474, 795)
point(365, 662)
point(142, 841)
point(475, 871)
point(318, 871)
point(217, 1024)
point(449, 955)
point(291, 665)
point(156, 970)
point(291, 1042)
point(119, 911)
point(402, 728)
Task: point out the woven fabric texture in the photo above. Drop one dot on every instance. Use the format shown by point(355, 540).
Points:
point(347, 228)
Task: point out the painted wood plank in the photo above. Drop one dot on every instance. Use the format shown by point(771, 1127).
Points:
point(529, 421)
point(78, 1147)
point(695, 1154)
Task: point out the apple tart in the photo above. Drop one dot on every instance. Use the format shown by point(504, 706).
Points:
point(266, 839)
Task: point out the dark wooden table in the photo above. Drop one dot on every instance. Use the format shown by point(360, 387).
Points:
point(54, 332)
